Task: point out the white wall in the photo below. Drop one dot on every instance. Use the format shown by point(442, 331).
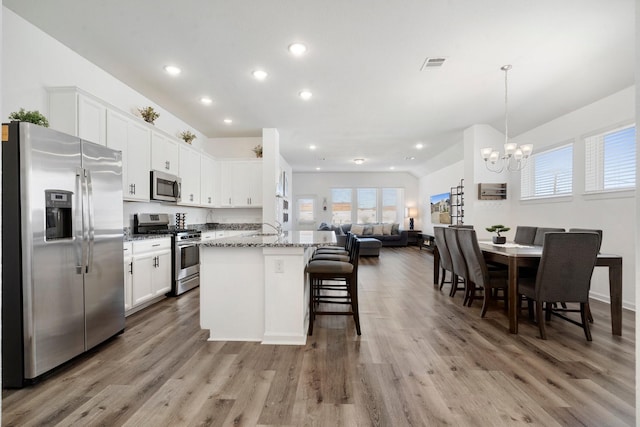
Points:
point(318, 185)
point(231, 147)
point(437, 182)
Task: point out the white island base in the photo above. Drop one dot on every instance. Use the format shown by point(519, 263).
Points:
point(254, 293)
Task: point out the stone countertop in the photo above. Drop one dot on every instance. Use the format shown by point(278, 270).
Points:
point(288, 239)
point(134, 237)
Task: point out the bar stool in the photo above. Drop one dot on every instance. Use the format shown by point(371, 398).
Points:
point(323, 275)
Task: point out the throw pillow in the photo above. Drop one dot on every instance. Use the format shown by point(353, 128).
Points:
point(357, 229)
point(386, 229)
point(395, 229)
point(368, 230)
point(338, 230)
point(324, 227)
point(377, 230)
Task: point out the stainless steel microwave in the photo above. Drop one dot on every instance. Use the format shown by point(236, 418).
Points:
point(165, 187)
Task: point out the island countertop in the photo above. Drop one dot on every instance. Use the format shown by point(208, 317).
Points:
point(296, 238)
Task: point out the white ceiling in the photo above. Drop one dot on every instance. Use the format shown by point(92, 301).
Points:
point(370, 98)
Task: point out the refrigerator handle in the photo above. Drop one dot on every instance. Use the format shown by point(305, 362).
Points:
point(91, 222)
point(80, 241)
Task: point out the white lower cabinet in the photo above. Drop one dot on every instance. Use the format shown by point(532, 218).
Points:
point(151, 270)
point(128, 276)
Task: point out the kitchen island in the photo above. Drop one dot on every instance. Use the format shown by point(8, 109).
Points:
point(253, 286)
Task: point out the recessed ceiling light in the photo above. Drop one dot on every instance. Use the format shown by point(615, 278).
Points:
point(312, 147)
point(410, 158)
point(260, 74)
point(228, 121)
point(172, 70)
point(305, 94)
point(358, 161)
point(206, 100)
point(297, 49)
point(392, 167)
point(419, 146)
point(318, 168)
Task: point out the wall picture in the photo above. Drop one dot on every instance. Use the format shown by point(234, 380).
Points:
point(441, 208)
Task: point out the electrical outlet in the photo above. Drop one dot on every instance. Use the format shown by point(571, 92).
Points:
point(279, 266)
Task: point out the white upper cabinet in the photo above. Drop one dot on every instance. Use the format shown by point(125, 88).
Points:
point(164, 153)
point(240, 183)
point(77, 113)
point(207, 181)
point(189, 171)
point(134, 140)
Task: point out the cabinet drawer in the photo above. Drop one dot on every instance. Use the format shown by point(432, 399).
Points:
point(151, 245)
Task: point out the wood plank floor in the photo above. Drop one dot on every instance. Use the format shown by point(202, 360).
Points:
point(422, 360)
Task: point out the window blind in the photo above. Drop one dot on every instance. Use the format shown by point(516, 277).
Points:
point(549, 173)
point(610, 160)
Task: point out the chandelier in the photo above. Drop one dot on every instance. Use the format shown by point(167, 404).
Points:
point(515, 157)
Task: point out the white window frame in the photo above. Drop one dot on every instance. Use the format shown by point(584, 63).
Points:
point(313, 210)
point(595, 168)
point(529, 180)
point(379, 207)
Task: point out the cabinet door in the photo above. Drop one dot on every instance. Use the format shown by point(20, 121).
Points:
point(164, 154)
point(128, 284)
point(143, 266)
point(225, 183)
point(91, 120)
point(241, 184)
point(255, 183)
point(189, 167)
point(207, 178)
point(139, 163)
point(117, 137)
point(161, 276)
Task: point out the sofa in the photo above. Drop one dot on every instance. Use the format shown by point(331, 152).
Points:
point(388, 234)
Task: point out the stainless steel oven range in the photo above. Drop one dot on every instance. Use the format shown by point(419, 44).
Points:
point(185, 249)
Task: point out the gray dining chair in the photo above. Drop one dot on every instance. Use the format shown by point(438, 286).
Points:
point(525, 235)
point(457, 261)
point(445, 256)
point(538, 240)
point(589, 230)
point(564, 275)
point(479, 274)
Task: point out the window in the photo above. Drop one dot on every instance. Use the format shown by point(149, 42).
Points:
point(390, 204)
point(341, 205)
point(610, 160)
point(548, 174)
point(306, 209)
point(366, 205)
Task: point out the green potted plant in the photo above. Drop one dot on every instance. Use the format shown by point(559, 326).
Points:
point(187, 136)
point(258, 150)
point(34, 117)
point(148, 114)
point(499, 228)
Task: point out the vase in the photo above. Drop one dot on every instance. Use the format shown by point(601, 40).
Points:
point(499, 240)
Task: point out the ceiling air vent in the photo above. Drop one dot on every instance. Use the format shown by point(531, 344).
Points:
point(432, 63)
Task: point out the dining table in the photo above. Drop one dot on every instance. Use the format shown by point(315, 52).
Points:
point(516, 256)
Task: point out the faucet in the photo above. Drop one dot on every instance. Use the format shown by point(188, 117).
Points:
point(277, 227)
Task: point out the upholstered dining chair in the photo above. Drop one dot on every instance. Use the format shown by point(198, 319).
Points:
point(445, 257)
point(589, 230)
point(525, 235)
point(334, 282)
point(479, 275)
point(538, 240)
point(564, 275)
point(457, 261)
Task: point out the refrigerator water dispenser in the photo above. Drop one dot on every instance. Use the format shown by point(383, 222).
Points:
point(58, 214)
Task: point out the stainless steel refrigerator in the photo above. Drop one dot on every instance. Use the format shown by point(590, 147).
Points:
point(62, 269)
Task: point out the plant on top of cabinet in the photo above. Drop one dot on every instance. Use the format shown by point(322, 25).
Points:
point(148, 114)
point(187, 136)
point(34, 117)
point(258, 150)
